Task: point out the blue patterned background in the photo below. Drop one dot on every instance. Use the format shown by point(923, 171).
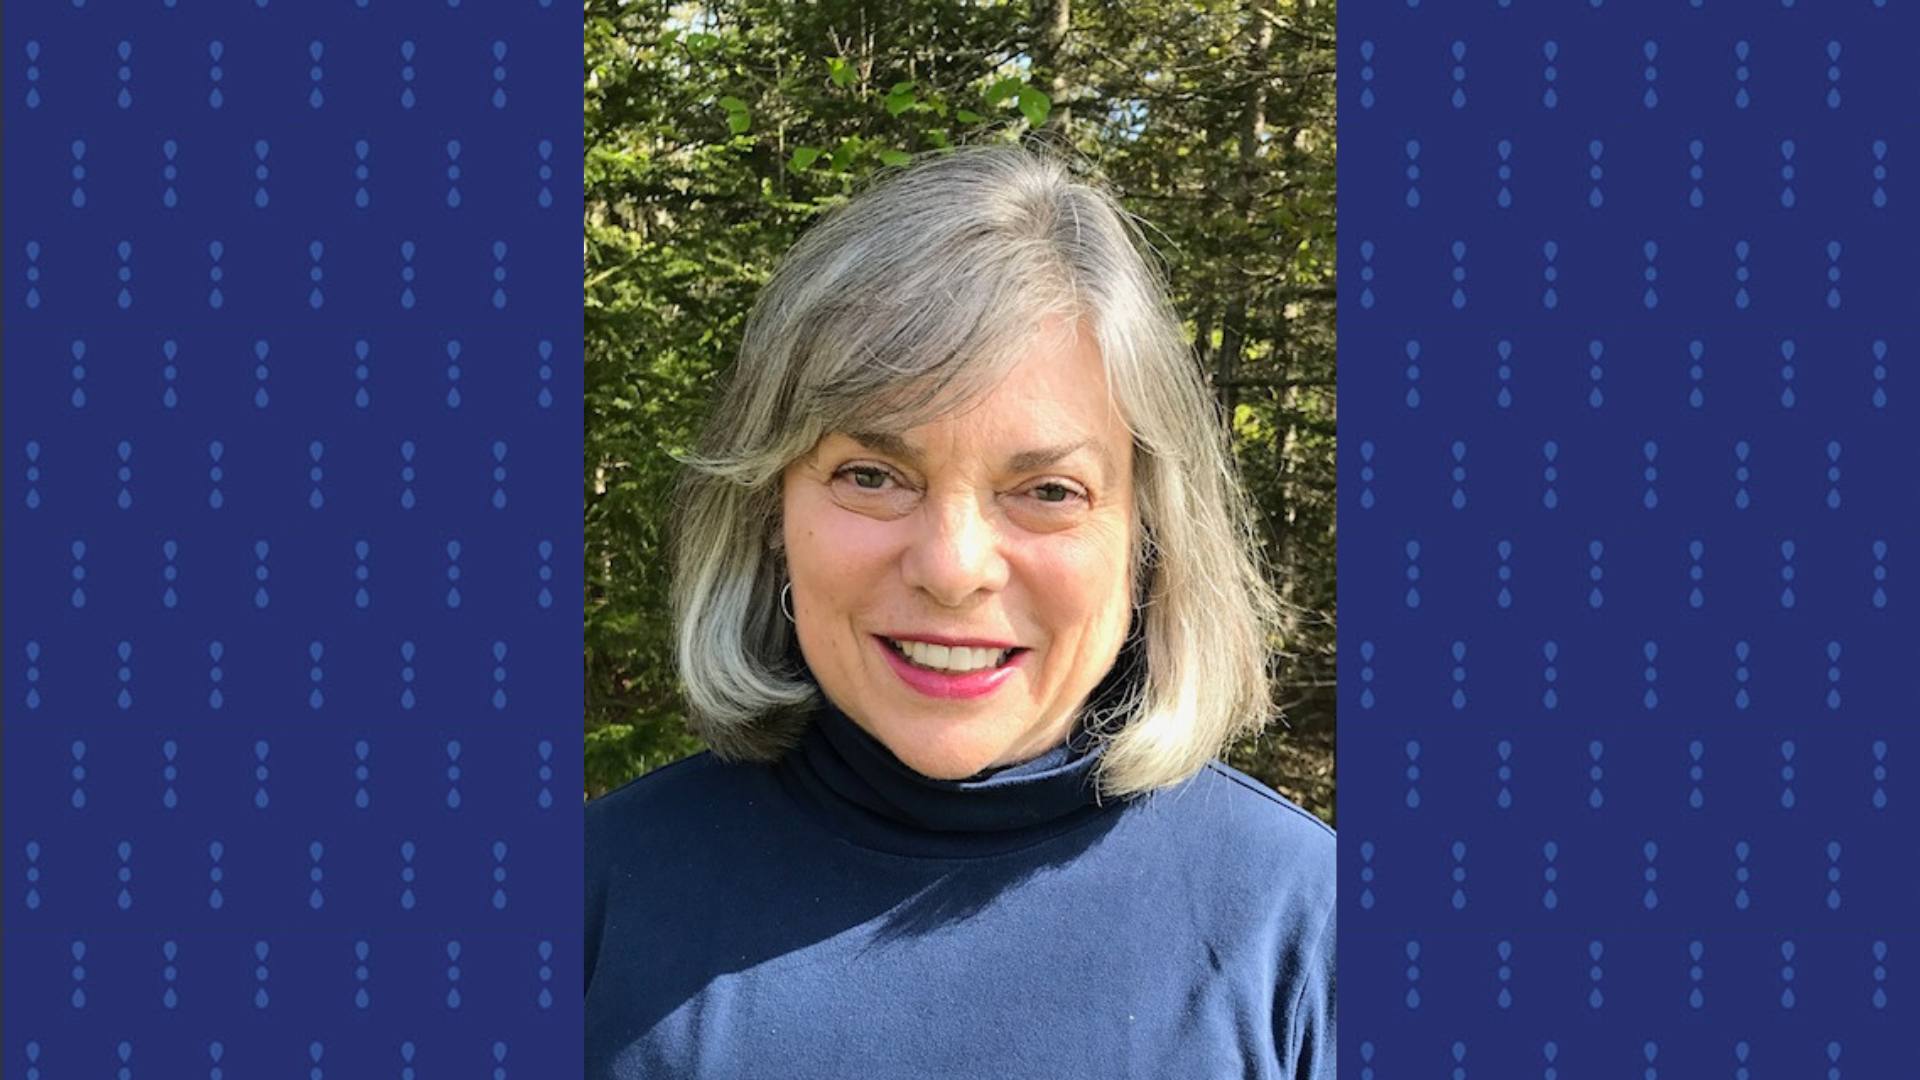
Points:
point(1624, 772)
point(292, 530)
point(1626, 697)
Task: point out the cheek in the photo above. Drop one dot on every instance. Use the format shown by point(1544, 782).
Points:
point(1085, 586)
point(835, 562)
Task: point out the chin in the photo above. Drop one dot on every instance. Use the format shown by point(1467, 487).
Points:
point(938, 764)
point(944, 759)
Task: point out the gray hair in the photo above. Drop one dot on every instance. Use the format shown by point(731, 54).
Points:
point(904, 304)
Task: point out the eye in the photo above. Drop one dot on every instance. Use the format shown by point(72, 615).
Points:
point(1055, 493)
point(874, 489)
point(865, 477)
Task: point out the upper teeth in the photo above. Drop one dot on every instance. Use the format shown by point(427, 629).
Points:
point(958, 658)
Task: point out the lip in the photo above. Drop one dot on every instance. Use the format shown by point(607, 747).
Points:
point(935, 684)
point(950, 642)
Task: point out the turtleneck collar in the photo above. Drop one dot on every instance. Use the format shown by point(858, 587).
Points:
point(861, 791)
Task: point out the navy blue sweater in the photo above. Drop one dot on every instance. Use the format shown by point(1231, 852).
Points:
point(839, 916)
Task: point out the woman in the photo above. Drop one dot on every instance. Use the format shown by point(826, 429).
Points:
point(965, 608)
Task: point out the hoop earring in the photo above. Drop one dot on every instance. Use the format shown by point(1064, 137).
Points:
point(786, 596)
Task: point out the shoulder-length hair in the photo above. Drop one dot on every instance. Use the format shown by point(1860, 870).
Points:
point(909, 301)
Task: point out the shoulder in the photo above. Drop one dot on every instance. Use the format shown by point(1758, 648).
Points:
point(665, 827)
point(1222, 798)
point(670, 808)
point(691, 788)
point(1223, 818)
point(664, 785)
point(1265, 810)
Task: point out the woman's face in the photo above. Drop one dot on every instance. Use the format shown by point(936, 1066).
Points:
point(961, 587)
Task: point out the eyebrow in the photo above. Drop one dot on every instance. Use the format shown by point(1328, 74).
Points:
point(1025, 461)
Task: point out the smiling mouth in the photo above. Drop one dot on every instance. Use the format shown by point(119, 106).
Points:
point(951, 660)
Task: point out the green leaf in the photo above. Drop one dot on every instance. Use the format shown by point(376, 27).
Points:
point(938, 138)
point(1000, 91)
point(895, 157)
point(839, 71)
point(803, 157)
point(738, 120)
point(966, 117)
point(1034, 105)
point(900, 98)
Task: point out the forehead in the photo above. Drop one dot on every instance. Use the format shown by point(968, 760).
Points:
point(1053, 402)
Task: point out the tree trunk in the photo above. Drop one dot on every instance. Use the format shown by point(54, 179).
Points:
point(1051, 20)
point(1253, 124)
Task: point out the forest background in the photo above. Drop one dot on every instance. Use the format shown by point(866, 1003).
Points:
point(716, 131)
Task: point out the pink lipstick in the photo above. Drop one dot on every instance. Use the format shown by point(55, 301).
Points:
point(949, 685)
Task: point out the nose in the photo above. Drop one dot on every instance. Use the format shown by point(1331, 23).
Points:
point(955, 553)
